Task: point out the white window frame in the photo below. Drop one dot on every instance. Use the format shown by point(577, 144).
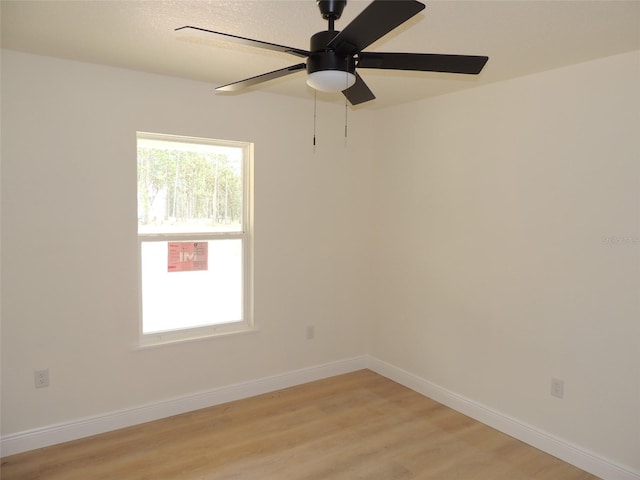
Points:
point(246, 235)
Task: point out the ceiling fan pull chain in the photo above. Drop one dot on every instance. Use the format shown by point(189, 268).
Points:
point(315, 108)
point(345, 118)
point(346, 110)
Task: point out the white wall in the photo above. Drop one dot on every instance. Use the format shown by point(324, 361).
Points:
point(491, 214)
point(69, 248)
point(508, 239)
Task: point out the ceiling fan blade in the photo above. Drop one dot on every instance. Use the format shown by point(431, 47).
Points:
point(252, 43)
point(249, 82)
point(359, 92)
point(425, 62)
point(375, 21)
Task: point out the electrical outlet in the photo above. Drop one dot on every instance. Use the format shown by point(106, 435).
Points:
point(557, 387)
point(42, 378)
point(311, 332)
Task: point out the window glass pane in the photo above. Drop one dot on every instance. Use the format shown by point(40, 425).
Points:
point(186, 187)
point(174, 300)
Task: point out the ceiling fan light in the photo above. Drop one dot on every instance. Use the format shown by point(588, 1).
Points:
point(331, 80)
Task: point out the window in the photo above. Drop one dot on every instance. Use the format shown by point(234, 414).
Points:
point(194, 235)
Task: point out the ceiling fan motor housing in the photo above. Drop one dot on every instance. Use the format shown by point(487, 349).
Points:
point(323, 59)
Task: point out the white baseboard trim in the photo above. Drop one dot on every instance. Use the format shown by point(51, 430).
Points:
point(85, 427)
point(570, 453)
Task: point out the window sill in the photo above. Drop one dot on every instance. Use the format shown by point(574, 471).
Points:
point(173, 338)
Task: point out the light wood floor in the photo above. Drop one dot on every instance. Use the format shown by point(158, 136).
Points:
point(354, 426)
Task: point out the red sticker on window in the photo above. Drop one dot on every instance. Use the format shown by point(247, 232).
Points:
point(188, 256)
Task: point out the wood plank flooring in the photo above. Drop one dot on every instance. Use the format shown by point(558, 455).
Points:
point(355, 426)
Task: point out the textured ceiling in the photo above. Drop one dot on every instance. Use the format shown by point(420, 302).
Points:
point(520, 38)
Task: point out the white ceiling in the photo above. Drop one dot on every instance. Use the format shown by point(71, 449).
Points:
point(520, 38)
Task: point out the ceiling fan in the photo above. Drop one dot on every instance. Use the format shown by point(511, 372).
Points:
point(333, 56)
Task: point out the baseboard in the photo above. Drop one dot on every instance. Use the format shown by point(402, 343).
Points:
point(570, 453)
point(85, 427)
